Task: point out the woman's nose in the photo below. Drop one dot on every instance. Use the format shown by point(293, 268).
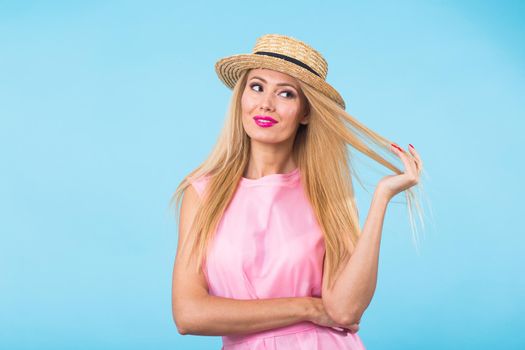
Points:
point(267, 102)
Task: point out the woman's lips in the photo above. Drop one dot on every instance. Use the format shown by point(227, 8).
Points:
point(264, 121)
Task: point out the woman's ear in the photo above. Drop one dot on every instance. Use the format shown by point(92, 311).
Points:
point(306, 118)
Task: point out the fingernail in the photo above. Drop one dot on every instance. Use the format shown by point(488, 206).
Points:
point(396, 146)
point(411, 146)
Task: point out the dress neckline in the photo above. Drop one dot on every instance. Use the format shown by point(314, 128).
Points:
point(274, 179)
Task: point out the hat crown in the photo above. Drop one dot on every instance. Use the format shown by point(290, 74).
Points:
point(294, 48)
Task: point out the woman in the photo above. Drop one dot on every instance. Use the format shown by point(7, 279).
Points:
point(270, 253)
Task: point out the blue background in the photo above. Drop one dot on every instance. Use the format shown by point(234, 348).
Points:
point(106, 105)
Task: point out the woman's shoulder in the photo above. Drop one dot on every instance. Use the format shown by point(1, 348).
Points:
point(199, 183)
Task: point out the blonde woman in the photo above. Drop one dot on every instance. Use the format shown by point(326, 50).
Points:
point(270, 252)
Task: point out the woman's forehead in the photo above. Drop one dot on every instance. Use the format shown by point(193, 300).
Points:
point(271, 75)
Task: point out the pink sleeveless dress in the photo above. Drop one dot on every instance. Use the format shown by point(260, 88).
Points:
point(269, 245)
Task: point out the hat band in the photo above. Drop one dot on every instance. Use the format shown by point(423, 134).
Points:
point(287, 58)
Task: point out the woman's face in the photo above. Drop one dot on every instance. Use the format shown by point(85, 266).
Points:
point(274, 95)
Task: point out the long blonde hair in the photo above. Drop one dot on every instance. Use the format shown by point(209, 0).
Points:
point(321, 153)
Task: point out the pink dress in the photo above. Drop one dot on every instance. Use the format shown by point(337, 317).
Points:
point(269, 245)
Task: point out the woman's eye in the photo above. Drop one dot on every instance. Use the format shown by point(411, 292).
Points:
point(291, 94)
point(252, 85)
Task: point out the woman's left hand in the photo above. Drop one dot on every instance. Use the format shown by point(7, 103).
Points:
point(391, 185)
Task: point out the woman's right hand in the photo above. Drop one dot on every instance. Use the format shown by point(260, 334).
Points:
point(320, 317)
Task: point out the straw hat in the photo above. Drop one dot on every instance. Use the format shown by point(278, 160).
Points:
point(281, 53)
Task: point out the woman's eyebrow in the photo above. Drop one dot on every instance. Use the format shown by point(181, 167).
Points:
point(280, 84)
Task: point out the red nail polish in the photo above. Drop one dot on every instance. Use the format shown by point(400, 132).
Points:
point(396, 146)
point(411, 146)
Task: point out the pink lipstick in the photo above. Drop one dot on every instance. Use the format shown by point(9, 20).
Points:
point(264, 121)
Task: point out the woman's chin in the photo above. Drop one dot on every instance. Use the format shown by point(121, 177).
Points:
point(266, 139)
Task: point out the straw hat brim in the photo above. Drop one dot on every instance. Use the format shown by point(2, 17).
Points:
point(230, 68)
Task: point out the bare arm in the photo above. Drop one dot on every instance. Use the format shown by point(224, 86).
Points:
point(197, 312)
point(213, 315)
point(354, 288)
